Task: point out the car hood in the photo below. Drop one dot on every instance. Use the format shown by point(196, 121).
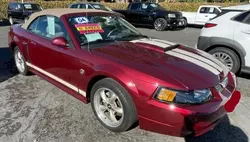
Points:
point(165, 61)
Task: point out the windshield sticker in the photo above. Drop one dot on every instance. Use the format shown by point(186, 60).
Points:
point(89, 28)
point(93, 36)
point(51, 25)
point(81, 20)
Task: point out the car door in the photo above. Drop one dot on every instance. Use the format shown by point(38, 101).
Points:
point(202, 16)
point(133, 12)
point(145, 14)
point(242, 33)
point(57, 63)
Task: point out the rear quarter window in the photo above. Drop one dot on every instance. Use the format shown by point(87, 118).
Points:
point(241, 17)
point(134, 6)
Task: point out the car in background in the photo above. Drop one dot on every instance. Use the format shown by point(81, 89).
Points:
point(227, 38)
point(20, 12)
point(88, 5)
point(203, 14)
point(153, 15)
point(98, 57)
point(209, 12)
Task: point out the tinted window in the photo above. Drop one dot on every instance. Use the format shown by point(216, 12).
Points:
point(83, 6)
point(241, 17)
point(134, 6)
point(204, 10)
point(49, 27)
point(73, 6)
point(101, 7)
point(15, 6)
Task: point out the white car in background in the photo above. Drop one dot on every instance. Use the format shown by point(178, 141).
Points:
point(227, 38)
point(208, 12)
point(203, 14)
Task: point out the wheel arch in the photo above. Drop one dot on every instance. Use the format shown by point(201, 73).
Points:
point(114, 73)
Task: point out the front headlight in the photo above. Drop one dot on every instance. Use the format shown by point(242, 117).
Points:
point(181, 97)
point(171, 15)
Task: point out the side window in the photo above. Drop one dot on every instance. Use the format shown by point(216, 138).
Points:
point(204, 10)
point(78, 6)
point(83, 6)
point(241, 17)
point(73, 6)
point(49, 27)
point(32, 27)
point(134, 6)
point(88, 6)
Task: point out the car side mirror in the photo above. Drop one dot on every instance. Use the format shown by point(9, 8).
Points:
point(60, 41)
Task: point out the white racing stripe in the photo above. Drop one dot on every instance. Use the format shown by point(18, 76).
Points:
point(152, 42)
point(164, 41)
point(196, 56)
point(194, 61)
point(57, 79)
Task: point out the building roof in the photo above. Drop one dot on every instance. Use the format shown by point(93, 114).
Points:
point(58, 12)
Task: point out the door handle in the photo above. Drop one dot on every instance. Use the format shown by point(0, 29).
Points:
point(33, 42)
point(206, 15)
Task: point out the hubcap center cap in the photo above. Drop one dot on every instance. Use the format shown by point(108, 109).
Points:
point(109, 106)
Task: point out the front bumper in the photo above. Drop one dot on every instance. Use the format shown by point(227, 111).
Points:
point(186, 120)
point(176, 22)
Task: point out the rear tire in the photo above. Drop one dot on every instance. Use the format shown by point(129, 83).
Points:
point(227, 57)
point(112, 105)
point(160, 24)
point(20, 62)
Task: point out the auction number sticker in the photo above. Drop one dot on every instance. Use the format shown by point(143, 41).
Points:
point(81, 20)
point(89, 28)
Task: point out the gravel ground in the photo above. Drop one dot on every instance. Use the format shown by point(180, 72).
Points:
point(32, 110)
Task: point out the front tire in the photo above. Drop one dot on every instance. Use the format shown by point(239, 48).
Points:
point(228, 57)
point(20, 62)
point(112, 105)
point(160, 24)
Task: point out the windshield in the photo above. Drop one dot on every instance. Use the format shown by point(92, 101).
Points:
point(96, 29)
point(101, 7)
point(31, 7)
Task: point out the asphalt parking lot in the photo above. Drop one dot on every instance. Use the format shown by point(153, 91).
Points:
point(33, 110)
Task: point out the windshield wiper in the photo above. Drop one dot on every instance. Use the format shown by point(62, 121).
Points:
point(132, 36)
point(97, 41)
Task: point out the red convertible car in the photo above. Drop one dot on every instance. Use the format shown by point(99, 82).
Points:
point(98, 57)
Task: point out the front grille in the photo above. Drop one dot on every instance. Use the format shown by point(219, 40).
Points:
point(178, 15)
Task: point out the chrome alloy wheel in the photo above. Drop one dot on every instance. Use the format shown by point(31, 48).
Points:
point(225, 59)
point(159, 24)
point(19, 61)
point(108, 107)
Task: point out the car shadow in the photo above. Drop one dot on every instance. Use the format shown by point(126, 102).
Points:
point(223, 132)
point(7, 64)
point(244, 75)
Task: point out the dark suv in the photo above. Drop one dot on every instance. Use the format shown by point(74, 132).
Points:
point(18, 12)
